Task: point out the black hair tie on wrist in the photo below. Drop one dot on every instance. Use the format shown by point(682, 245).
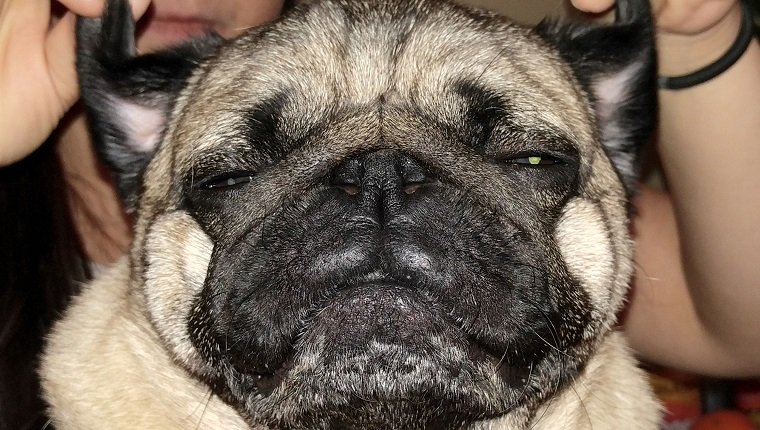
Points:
point(721, 64)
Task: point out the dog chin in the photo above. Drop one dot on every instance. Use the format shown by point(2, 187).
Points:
point(369, 347)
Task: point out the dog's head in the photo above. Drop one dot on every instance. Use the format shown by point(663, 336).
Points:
point(378, 212)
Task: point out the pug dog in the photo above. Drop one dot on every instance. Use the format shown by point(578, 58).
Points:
point(366, 215)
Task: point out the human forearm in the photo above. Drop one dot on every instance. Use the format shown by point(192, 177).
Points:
point(662, 321)
point(700, 298)
point(710, 149)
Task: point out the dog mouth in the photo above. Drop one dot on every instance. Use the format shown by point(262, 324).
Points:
point(382, 339)
point(371, 330)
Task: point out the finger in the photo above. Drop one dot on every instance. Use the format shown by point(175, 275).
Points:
point(23, 27)
point(593, 6)
point(693, 17)
point(25, 16)
point(23, 24)
point(139, 7)
point(60, 58)
point(84, 7)
point(95, 7)
point(60, 48)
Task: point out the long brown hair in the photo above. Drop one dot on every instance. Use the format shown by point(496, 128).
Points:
point(41, 266)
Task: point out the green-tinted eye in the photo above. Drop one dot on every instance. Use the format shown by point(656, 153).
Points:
point(534, 160)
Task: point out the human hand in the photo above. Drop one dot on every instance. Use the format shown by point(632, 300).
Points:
point(690, 33)
point(687, 17)
point(38, 79)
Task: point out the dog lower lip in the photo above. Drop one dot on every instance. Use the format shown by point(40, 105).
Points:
point(386, 314)
point(266, 383)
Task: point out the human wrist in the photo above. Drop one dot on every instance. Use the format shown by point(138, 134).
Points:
point(681, 53)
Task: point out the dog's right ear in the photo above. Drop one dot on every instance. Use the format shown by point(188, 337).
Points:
point(615, 64)
point(128, 97)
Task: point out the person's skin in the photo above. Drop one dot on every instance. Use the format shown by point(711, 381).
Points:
point(38, 86)
point(37, 77)
point(708, 144)
point(696, 301)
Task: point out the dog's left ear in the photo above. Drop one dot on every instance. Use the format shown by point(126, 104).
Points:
point(128, 97)
point(616, 66)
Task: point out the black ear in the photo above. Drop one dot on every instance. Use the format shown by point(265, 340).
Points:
point(128, 98)
point(616, 66)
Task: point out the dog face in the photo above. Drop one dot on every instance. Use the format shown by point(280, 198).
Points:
point(378, 214)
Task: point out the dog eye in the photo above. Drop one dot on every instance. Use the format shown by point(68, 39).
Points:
point(226, 180)
point(534, 160)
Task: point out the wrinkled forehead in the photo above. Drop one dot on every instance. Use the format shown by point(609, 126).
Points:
point(327, 60)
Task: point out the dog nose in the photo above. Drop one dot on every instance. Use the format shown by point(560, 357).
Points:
point(380, 181)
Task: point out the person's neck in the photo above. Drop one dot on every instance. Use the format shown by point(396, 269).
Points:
point(99, 218)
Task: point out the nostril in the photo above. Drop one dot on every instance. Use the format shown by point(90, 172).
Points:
point(413, 175)
point(386, 170)
point(349, 184)
point(348, 177)
point(411, 188)
point(349, 189)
